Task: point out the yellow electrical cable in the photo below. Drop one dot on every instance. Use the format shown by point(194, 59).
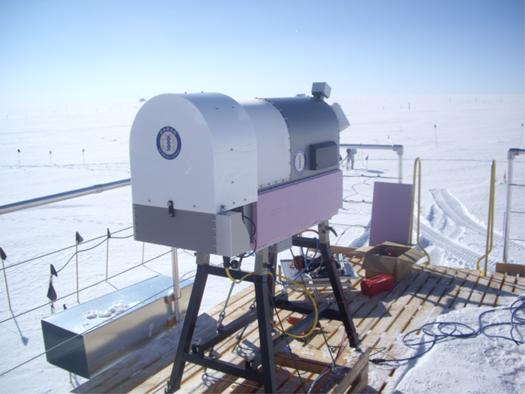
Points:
point(417, 177)
point(490, 222)
point(305, 292)
point(237, 281)
point(314, 304)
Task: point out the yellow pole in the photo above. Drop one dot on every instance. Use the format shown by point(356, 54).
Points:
point(416, 184)
point(490, 221)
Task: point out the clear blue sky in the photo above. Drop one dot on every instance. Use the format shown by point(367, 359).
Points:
point(103, 50)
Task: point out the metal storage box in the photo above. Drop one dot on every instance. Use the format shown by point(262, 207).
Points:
point(87, 337)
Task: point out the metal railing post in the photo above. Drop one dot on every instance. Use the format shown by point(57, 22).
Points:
point(176, 282)
point(399, 151)
point(510, 162)
point(490, 220)
point(416, 196)
point(506, 230)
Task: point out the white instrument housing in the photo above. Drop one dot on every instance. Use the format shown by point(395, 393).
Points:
point(214, 175)
point(216, 168)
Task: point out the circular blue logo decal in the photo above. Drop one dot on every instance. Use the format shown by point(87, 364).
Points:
point(168, 142)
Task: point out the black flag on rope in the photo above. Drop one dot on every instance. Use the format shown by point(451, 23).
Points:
point(53, 271)
point(51, 293)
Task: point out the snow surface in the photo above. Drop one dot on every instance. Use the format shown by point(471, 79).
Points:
point(474, 365)
point(455, 136)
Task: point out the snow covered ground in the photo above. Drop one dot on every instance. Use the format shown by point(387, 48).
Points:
point(473, 365)
point(67, 148)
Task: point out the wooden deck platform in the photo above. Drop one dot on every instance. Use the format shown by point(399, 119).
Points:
point(426, 293)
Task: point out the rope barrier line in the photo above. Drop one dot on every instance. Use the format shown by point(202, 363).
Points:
point(490, 222)
point(2, 257)
point(78, 252)
point(416, 184)
point(5, 372)
point(75, 255)
point(61, 250)
point(84, 288)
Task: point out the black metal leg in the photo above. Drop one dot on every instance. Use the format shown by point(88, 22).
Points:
point(264, 318)
point(187, 329)
point(272, 259)
point(339, 294)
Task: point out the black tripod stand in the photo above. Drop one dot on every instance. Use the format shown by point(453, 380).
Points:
point(261, 368)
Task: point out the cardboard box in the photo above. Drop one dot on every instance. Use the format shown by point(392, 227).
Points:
point(391, 258)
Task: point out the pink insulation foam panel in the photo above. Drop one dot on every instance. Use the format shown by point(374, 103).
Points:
point(287, 210)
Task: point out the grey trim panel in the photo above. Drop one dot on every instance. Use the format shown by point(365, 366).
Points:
point(224, 234)
point(187, 230)
point(310, 121)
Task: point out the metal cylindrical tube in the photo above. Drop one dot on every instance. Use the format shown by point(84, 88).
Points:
point(176, 282)
point(506, 230)
point(400, 166)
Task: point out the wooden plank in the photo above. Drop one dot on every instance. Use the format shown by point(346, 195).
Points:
point(422, 302)
point(510, 269)
point(436, 303)
point(297, 381)
point(413, 316)
point(355, 372)
point(339, 334)
point(371, 337)
point(507, 290)
point(190, 370)
point(421, 285)
point(478, 292)
point(494, 289)
point(465, 293)
point(463, 278)
point(519, 287)
point(193, 372)
point(373, 303)
point(361, 382)
point(217, 382)
point(292, 383)
point(381, 319)
point(225, 353)
point(301, 362)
